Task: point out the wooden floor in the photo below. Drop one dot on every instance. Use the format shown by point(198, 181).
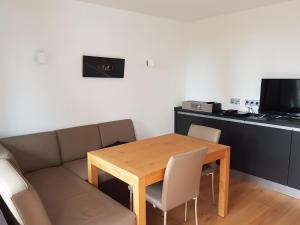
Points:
point(250, 204)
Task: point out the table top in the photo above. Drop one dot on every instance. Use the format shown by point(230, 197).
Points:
point(147, 156)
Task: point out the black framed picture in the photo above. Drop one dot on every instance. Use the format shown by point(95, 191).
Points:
point(103, 67)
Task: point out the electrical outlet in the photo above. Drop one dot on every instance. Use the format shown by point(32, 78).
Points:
point(256, 103)
point(247, 102)
point(235, 101)
point(251, 102)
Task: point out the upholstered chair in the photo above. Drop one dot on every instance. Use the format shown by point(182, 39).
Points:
point(212, 135)
point(181, 183)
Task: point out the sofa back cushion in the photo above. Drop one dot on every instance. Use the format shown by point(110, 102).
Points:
point(21, 199)
point(116, 131)
point(77, 141)
point(34, 151)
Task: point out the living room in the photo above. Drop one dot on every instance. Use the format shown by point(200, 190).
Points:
point(173, 51)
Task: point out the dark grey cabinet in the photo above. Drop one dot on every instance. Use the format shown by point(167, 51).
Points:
point(257, 149)
point(265, 152)
point(294, 169)
point(183, 123)
point(232, 135)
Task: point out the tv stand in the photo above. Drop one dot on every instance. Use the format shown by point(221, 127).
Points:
point(265, 147)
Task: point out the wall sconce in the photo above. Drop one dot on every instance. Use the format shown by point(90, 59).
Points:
point(150, 63)
point(41, 57)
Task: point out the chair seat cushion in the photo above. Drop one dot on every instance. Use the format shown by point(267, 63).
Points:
point(154, 194)
point(71, 201)
point(79, 167)
point(207, 169)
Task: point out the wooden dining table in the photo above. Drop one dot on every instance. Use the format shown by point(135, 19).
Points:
point(142, 163)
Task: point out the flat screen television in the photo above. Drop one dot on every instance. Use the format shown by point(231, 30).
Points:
point(280, 96)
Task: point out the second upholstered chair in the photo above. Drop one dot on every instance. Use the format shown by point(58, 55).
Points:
point(208, 134)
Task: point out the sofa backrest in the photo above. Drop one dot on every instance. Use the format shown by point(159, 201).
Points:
point(77, 141)
point(116, 131)
point(21, 199)
point(38, 151)
point(34, 151)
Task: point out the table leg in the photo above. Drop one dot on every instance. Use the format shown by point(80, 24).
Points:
point(92, 174)
point(139, 201)
point(224, 184)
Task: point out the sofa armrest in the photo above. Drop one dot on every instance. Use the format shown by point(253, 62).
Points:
point(6, 154)
point(21, 199)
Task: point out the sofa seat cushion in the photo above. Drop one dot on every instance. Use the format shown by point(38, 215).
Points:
point(79, 167)
point(71, 201)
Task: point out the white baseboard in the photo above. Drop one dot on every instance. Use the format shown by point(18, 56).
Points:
point(266, 183)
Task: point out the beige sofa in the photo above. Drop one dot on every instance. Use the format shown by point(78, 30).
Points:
point(43, 176)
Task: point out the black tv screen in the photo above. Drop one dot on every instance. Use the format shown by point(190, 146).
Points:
point(280, 96)
point(103, 67)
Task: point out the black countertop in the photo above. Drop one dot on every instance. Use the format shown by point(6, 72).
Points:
point(286, 122)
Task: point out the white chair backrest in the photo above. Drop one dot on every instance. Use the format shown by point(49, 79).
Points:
point(206, 133)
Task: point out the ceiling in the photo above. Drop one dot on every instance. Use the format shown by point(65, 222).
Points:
point(185, 10)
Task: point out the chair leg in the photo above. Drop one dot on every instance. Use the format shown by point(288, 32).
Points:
point(165, 218)
point(185, 212)
point(213, 186)
point(131, 202)
point(196, 210)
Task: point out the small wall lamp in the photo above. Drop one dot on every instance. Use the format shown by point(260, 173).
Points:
point(41, 57)
point(150, 63)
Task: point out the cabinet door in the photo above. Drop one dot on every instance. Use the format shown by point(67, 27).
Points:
point(233, 136)
point(265, 152)
point(294, 170)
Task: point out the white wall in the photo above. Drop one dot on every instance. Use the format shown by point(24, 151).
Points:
point(37, 98)
point(228, 55)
